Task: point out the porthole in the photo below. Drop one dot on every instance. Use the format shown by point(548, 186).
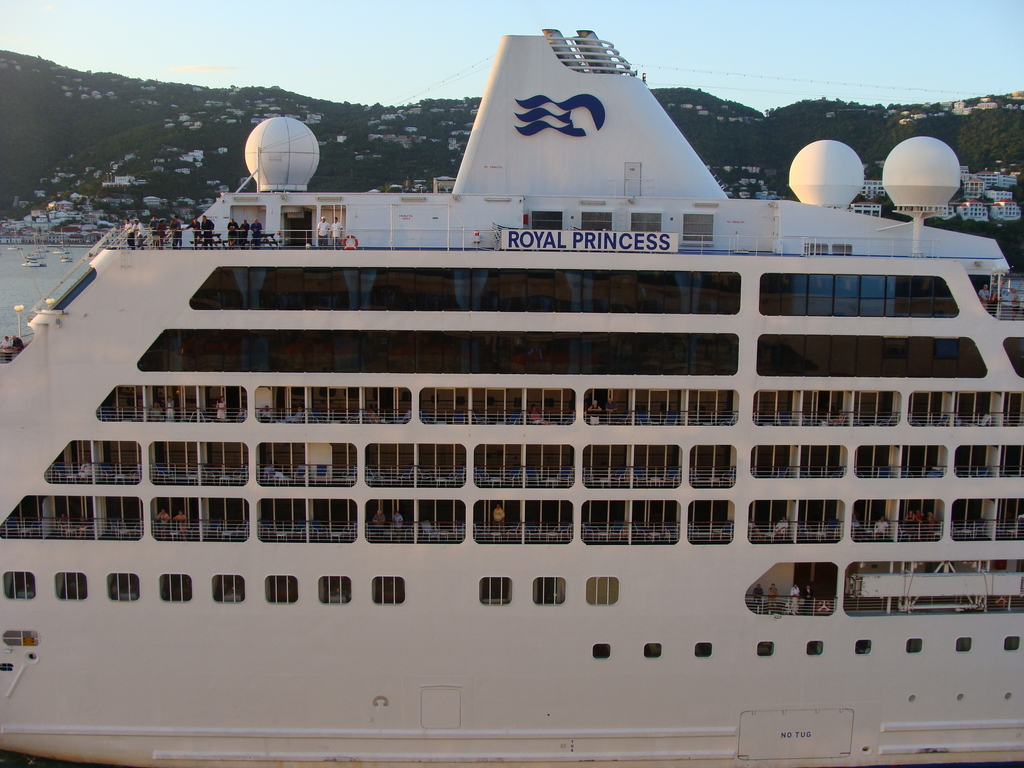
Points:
point(915, 645)
point(963, 644)
point(1011, 643)
point(815, 647)
point(765, 648)
point(702, 650)
point(652, 650)
point(602, 650)
point(862, 647)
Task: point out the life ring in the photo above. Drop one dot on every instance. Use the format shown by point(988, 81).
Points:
point(823, 607)
point(350, 243)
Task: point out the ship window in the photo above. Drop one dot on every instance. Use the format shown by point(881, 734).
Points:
point(71, 586)
point(495, 590)
point(281, 589)
point(602, 650)
point(19, 585)
point(549, 590)
point(645, 222)
point(854, 295)
point(596, 220)
point(815, 647)
point(21, 638)
point(862, 647)
point(1015, 351)
point(915, 645)
point(765, 648)
point(6, 667)
point(335, 590)
point(1011, 643)
point(703, 650)
point(176, 588)
point(698, 227)
point(228, 588)
point(123, 587)
point(603, 590)
point(964, 644)
point(652, 650)
point(545, 219)
point(388, 590)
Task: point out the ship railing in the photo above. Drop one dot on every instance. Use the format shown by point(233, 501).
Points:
point(786, 605)
point(498, 418)
point(714, 532)
point(198, 415)
point(416, 476)
point(635, 532)
point(203, 474)
point(833, 471)
point(268, 415)
point(86, 473)
point(884, 529)
point(876, 472)
point(523, 477)
point(308, 475)
point(599, 418)
point(973, 530)
point(205, 530)
point(103, 529)
point(7, 355)
point(796, 245)
point(833, 419)
point(527, 532)
point(712, 477)
point(786, 531)
point(639, 476)
point(856, 604)
point(1005, 310)
point(307, 531)
point(980, 419)
point(1009, 530)
point(415, 532)
point(975, 470)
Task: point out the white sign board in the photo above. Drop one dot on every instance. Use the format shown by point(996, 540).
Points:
point(588, 240)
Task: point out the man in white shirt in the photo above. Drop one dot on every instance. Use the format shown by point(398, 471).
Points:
point(336, 233)
point(323, 231)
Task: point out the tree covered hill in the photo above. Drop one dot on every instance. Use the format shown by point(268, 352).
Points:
point(64, 131)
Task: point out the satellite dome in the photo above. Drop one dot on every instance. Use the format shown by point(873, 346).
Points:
point(826, 173)
point(921, 171)
point(283, 154)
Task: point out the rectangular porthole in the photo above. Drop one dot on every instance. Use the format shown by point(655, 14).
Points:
point(228, 588)
point(388, 590)
point(495, 590)
point(71, 586)
point(176, 588)
point(765, 648)
point(19, 585)
point(964, 644)
point(652, 650)
point(6, 667)
point(549, 590)
point(123, 587)
point(1011, 643)
point(21, 637)
point(702, 650)
point(915, 645)
point(335, 590)
point(281, 589)
point(815, 647)
point(602, 650)
point(603, 590)
point(862, 647)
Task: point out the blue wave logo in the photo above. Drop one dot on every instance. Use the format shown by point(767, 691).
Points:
point(535, 115)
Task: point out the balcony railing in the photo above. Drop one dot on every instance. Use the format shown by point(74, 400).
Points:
point(712, 477)
point(523, 477)
point(551, 417)
point(528, 532)
point(308, 475)
point(85, 473)
point(204, 474)
point(798, 471)
point(779, 605)
point(981, 419)
point(795, 532)
point(152, 413)
point(311, 531)
point(930, 604)
point(987, 530)
point(630, 533)
point(415, 532)
point(654, 419)
point(418, 476)
point(103, 529)
point(632, 477)
point(715, 532)
point(834, 419)
point(268, 415)
point(206, 529)
point(892, 530)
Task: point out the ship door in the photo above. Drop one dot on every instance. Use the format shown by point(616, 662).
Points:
point(297, 225)
point(632, 179)
point(440, 707)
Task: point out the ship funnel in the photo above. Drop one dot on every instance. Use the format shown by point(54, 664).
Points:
point(568, 116)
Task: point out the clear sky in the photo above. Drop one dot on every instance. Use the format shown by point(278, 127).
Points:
point(763, 53)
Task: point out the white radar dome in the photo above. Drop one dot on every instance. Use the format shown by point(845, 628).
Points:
point(921, 171)
point(827, 173)
point(283, 154)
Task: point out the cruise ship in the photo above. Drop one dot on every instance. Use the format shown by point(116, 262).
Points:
point(576, 461)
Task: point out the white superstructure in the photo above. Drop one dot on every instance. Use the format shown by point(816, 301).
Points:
point(500, 476)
